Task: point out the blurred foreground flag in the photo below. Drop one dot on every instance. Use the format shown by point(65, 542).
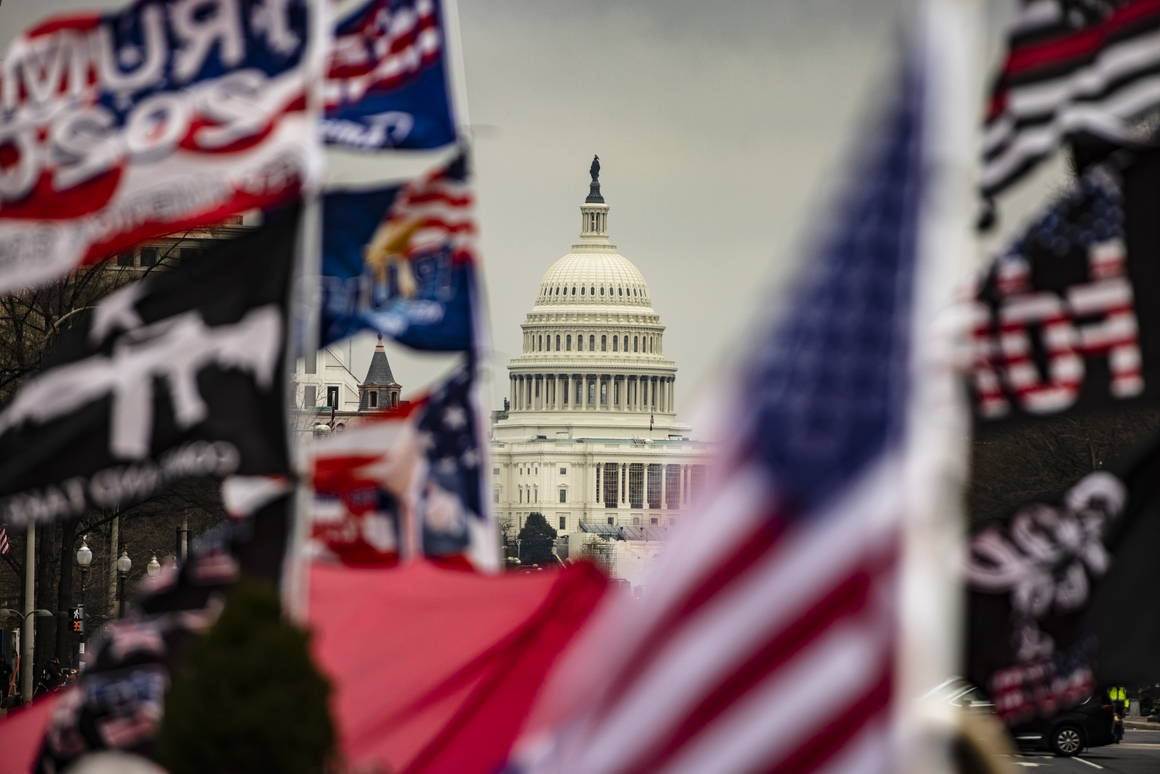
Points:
point(400, 260)
point(1072, 68)
point(122, 126)
point(771, 635)
point(387, 83)
point(404, 483)
point(179, 375)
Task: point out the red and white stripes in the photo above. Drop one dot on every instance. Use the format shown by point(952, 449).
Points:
point(773, 650)
point(389, 47)
point(444, 209)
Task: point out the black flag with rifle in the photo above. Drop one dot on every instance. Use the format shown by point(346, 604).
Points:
point(177, 376)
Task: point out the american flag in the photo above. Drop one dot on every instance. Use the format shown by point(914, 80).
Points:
point(441, 206)
point(382, 46)
point(407, 482)
point(1072, 66)
point(4, 547)
point(768, 639)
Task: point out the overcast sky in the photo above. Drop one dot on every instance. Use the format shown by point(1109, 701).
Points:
point(721, 129)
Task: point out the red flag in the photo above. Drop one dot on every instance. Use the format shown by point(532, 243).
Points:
point(435, 669)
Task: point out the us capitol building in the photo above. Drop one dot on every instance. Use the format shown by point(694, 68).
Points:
point(591, 438)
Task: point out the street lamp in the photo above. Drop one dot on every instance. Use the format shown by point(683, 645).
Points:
point(124, 564)
point(154, 566)
point(84, 559)
point(6, 613)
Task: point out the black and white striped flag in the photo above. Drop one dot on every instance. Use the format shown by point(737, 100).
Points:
point(1073, 66)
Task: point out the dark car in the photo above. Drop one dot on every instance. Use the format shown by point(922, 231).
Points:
point(1091, 724)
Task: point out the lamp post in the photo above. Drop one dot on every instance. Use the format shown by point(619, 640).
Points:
point(84, 559)
point(124, 564)
point(153, 567)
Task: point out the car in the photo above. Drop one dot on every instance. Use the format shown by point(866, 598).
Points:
point(1090, 724)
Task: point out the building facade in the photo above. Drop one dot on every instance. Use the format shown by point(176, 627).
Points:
point(590, 436)
point(332, 398)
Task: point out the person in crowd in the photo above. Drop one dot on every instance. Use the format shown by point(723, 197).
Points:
point(5, 676)
point(51, 677)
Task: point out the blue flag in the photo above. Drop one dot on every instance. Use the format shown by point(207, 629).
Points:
point(387, 84)
point(401, 261)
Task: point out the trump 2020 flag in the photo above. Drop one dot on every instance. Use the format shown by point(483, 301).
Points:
point(769, 638)
point(176, 376)
point(387, 83)
point(119, 127)
point(400, 260)
point(407, 483)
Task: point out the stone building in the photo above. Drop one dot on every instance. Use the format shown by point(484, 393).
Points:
point(590, 438)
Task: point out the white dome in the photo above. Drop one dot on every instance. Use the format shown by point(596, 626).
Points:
point(594, 277)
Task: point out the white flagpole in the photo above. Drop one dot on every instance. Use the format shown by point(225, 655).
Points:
point(930, 648)
point(305, 297)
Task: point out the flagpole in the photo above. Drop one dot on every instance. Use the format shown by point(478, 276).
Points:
point(937, 428)
point(303, 328)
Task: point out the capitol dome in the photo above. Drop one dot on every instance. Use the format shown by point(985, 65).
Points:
point(593, 346)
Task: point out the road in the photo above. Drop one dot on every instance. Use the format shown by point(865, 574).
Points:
point(1138, 753)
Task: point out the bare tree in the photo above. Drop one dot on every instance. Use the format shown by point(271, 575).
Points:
point(1012, 465)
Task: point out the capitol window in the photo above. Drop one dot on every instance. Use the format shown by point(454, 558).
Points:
point(593, 290)
point(569, 343)
point(603, 341)
point(615, 341)
point(580, 343)
point(591, 343)
point(603, 393)
point(626, 343)
point(541, 343)
point(573, 290)
point(601, 291)
point(557, 343)
point(634, 343)
point(581, 291)
point(620, 291)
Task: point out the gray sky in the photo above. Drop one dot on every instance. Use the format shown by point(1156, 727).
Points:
point(721, 129)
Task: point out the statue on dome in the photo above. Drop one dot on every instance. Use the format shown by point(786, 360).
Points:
point(594, 189)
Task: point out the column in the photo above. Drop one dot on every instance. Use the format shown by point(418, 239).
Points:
point(673, 395)
point(664, 487)
point(512, 392)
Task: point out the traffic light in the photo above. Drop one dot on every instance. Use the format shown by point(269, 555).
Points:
point(78, 620)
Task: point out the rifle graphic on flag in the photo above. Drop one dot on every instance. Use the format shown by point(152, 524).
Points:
point(177, 376)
